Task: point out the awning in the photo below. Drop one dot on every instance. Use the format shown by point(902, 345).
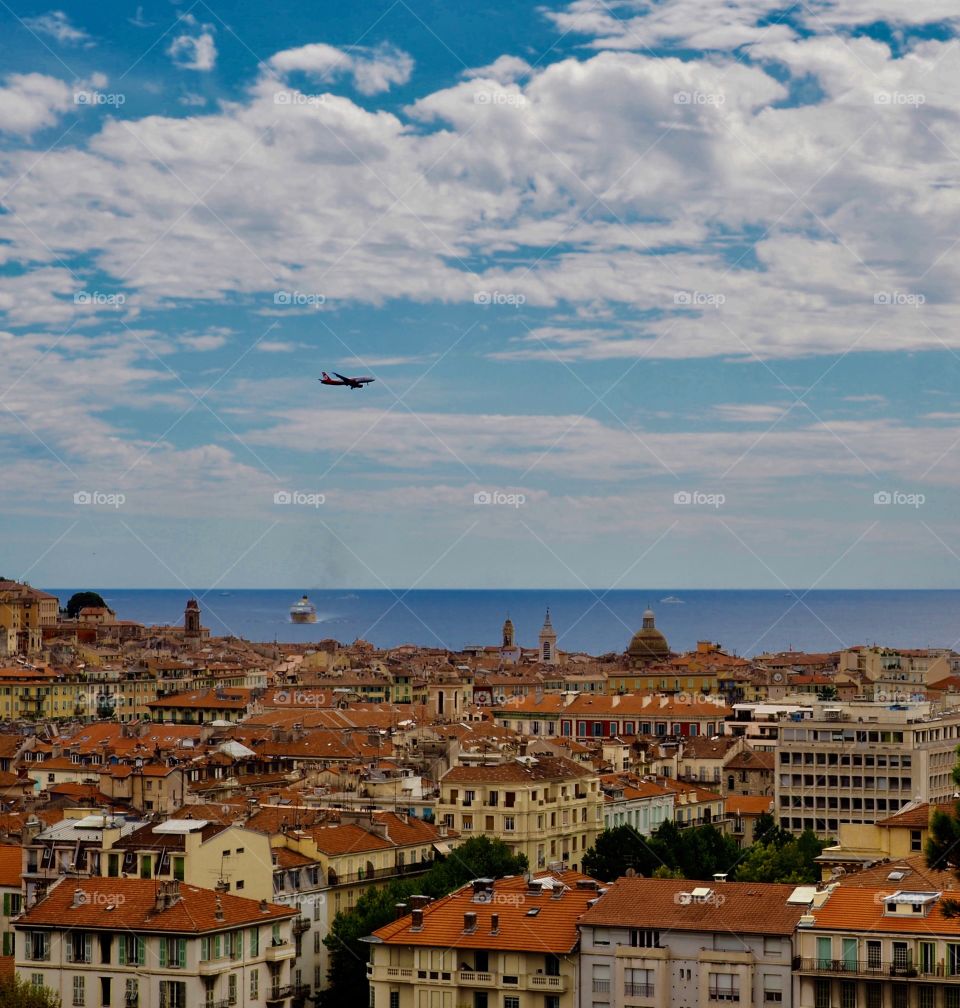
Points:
point(442, 848)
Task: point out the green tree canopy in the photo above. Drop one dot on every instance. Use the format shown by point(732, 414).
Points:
point(18, 993)
point(791, 860)
point(81, 600)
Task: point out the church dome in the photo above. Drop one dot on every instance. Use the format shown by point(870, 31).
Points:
point(648, 644)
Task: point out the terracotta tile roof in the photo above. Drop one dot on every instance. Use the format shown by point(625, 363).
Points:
point(232, 698)
point(746, 908)
point(862, 908)
point(748, 804)
point(751, 759)
point(552, 930)
point(11, 865)
point(286, 858)
point(193, 913)
point(546, 768)
point(916, 876)
point(912, 816)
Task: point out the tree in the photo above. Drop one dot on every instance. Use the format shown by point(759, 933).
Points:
point(478, 857)
point(617, 850)
point(775, 859)
point(81, 600)
point(18, 993)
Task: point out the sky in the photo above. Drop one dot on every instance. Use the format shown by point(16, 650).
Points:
point(654, 294)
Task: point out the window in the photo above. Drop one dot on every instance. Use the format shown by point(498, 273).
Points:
point(924, 996)
point(79, 947)
point(821, 993)
point(601, 936)
point(848, 994)
point(772, 988)
point(254, 941)
point(79, 990)
point(873, 955)
point(105, 990)
point(38, 945)
point(874, 995)
point(638, 982)
point(173, 994)
point(232, 988)
point(601, 979)
point(509, 824)
point(772, 946)
point(178, 868)
point(511, 1002)
point(131, 993)
point(642, 938)
point(131, 950)
point(394, 999)
point(173, 954)
point(900, 995)
point(724, 987)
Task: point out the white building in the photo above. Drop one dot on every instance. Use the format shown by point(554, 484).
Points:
point(667, 943)
point(137, 943)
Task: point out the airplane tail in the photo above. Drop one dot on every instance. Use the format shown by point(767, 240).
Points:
point(326, 377)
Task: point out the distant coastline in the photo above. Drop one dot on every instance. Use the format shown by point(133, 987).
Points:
point(745, 621)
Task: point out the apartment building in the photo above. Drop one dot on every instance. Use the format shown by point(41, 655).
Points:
point(548, 808)
point(634, 801)
point(879, 947)
point(862, 761)
point(24, 614)
point(133, 943)
point(509, 943)
point(667, 943)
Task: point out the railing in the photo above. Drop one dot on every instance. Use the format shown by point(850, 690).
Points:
point(279, 993)
point(638, 990)
point(545, 980)
point(601, 986)
point(301, 924)
point(398, 971)
point(474, 977)
point(873, 968)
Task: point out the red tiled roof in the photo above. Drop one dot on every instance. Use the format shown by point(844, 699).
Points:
point(134, 902)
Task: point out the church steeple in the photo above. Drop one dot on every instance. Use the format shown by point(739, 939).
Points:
point(508, 633)
point(548, 642)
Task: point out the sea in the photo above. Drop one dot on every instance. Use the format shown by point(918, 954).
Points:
point(744, 622)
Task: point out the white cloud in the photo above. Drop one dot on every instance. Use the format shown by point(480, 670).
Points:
point(57, 25)
point(29, 102)
point(504, 70)
point(373, 69)
point(194, 51)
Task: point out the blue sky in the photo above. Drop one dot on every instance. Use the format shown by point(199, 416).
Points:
point(652, 297)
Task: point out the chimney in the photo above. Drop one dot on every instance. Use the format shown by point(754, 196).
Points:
point(264, 906)
point(400, 910)
point(79, 899)
point(494, 923)
point(419, 902)
point(469, 922)
point(416, 924)
point(218, 912)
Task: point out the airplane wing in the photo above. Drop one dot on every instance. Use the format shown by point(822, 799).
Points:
point(343, 379)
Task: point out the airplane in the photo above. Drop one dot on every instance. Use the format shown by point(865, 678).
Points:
point(353, 383)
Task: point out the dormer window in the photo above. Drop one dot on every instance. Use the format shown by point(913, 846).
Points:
point(914, 904)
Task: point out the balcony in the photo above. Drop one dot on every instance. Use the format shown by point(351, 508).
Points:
point(541, 981)
point(275, 994)
point(638, 990)
point(475, 978)
point(873, 968)
point(279, 951)
point(301, 924)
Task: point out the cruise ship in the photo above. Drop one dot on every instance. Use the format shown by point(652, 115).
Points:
point(303, 611)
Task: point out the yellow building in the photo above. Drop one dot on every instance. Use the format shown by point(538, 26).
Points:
point(24, 612)
point(548, 808)
point(507, 943)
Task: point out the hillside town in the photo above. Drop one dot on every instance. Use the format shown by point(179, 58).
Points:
point(186, 817)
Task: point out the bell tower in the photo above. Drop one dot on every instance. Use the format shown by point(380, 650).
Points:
point(548, 642)
point(191, 619)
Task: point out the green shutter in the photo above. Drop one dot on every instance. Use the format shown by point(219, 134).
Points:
point(6, 906)
point(163, 952)
point(141, 951)
point(122, 951)
point(182, 952)
point(204, 948)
